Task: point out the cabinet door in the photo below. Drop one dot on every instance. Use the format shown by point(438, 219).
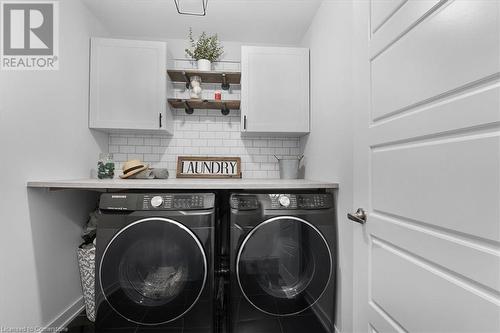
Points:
point(128, 84)
point(275, 90)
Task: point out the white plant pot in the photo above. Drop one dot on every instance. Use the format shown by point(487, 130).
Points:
point(204, 65)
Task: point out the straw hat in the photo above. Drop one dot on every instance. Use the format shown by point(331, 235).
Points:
point(132, 167)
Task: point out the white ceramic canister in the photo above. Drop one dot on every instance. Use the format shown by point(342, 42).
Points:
point(204, 65)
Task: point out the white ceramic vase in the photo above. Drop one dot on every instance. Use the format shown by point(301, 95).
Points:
point(204, 65)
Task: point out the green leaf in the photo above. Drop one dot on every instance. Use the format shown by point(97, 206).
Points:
point(205, 47)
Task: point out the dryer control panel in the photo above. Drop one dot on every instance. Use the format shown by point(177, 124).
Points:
point(300, 201)
point(282, 201)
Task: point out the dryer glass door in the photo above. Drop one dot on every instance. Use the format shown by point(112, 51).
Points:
point(153, 271)
point(284, 266)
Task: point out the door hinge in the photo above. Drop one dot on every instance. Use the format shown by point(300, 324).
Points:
point(160, 117)
point(245, 123)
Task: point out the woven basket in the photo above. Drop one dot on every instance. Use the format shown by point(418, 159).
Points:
point(86, 263)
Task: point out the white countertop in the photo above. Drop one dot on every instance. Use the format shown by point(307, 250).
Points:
point(170, 184)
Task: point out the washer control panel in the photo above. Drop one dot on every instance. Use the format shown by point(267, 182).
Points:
point(156, 201)
point(178, 201)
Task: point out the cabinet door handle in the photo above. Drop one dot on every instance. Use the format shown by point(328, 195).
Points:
point(160, 118)
point(245, 123)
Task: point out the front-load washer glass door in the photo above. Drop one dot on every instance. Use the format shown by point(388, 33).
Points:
point(283, 266)
point(153, 271)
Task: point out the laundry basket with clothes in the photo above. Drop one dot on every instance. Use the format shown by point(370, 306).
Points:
point(86, 264)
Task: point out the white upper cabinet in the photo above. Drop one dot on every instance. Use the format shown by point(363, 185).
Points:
point(275, 90)
point(128, 85)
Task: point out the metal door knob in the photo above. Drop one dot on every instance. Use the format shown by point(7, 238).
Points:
point(359, 216)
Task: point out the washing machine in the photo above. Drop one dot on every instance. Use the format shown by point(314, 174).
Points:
point(155, 262)
point(283, 259)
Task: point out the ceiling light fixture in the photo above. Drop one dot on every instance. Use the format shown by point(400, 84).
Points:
point(203, 12)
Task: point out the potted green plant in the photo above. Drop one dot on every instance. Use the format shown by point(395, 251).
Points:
point(205, 50)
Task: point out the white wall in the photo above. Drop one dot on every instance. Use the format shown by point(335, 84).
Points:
point(44, 134)
point(328, 149)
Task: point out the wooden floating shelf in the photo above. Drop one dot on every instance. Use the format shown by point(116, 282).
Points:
point(190, 104)
point(224, 78)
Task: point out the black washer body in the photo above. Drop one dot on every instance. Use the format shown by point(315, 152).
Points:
point(283, 263)
point(155, 263)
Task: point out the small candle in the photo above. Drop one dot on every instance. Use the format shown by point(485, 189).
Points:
point(218, 95)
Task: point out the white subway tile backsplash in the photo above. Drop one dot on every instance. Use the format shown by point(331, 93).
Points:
point(215, 142)
point(184, 143)
point(268, 166)
point(135, 141)
point(127, 149)
point(290, 143)
point(215, 127)
point(233, 143)
point(152, 157)
point(207, 135)
point(135, 157)
point(114, 149)
point(199, 143)
point(275, 143)
point(165, 142)
point(222, 135)
point(153, 141)
point(200, 127)
point(260, 143)
point(206, 151)
point(118, 140)
point(143, 149)
point(120, 157)
point(192, 150)
point(273, 174)
point(191, 135)
point(237, 151)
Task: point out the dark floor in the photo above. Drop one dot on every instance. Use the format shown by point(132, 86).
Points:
point(299, 324)
point(81, 325)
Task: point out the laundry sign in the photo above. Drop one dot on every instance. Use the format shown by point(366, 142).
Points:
point(208, 167)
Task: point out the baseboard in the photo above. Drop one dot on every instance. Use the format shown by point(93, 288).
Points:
point(65, 317)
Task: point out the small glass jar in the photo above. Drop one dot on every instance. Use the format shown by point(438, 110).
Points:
point(105, 166)
point(196, 89)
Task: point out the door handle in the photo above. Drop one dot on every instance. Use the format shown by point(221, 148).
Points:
point(359, 216)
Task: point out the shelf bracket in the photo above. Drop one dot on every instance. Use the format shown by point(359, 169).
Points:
point(225, 85)
point(188, 108)
point(187, 79)
point(224, 110)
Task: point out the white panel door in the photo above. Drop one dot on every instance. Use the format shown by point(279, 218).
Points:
point(275, 90)
point(128, 85)
point(427, 166)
